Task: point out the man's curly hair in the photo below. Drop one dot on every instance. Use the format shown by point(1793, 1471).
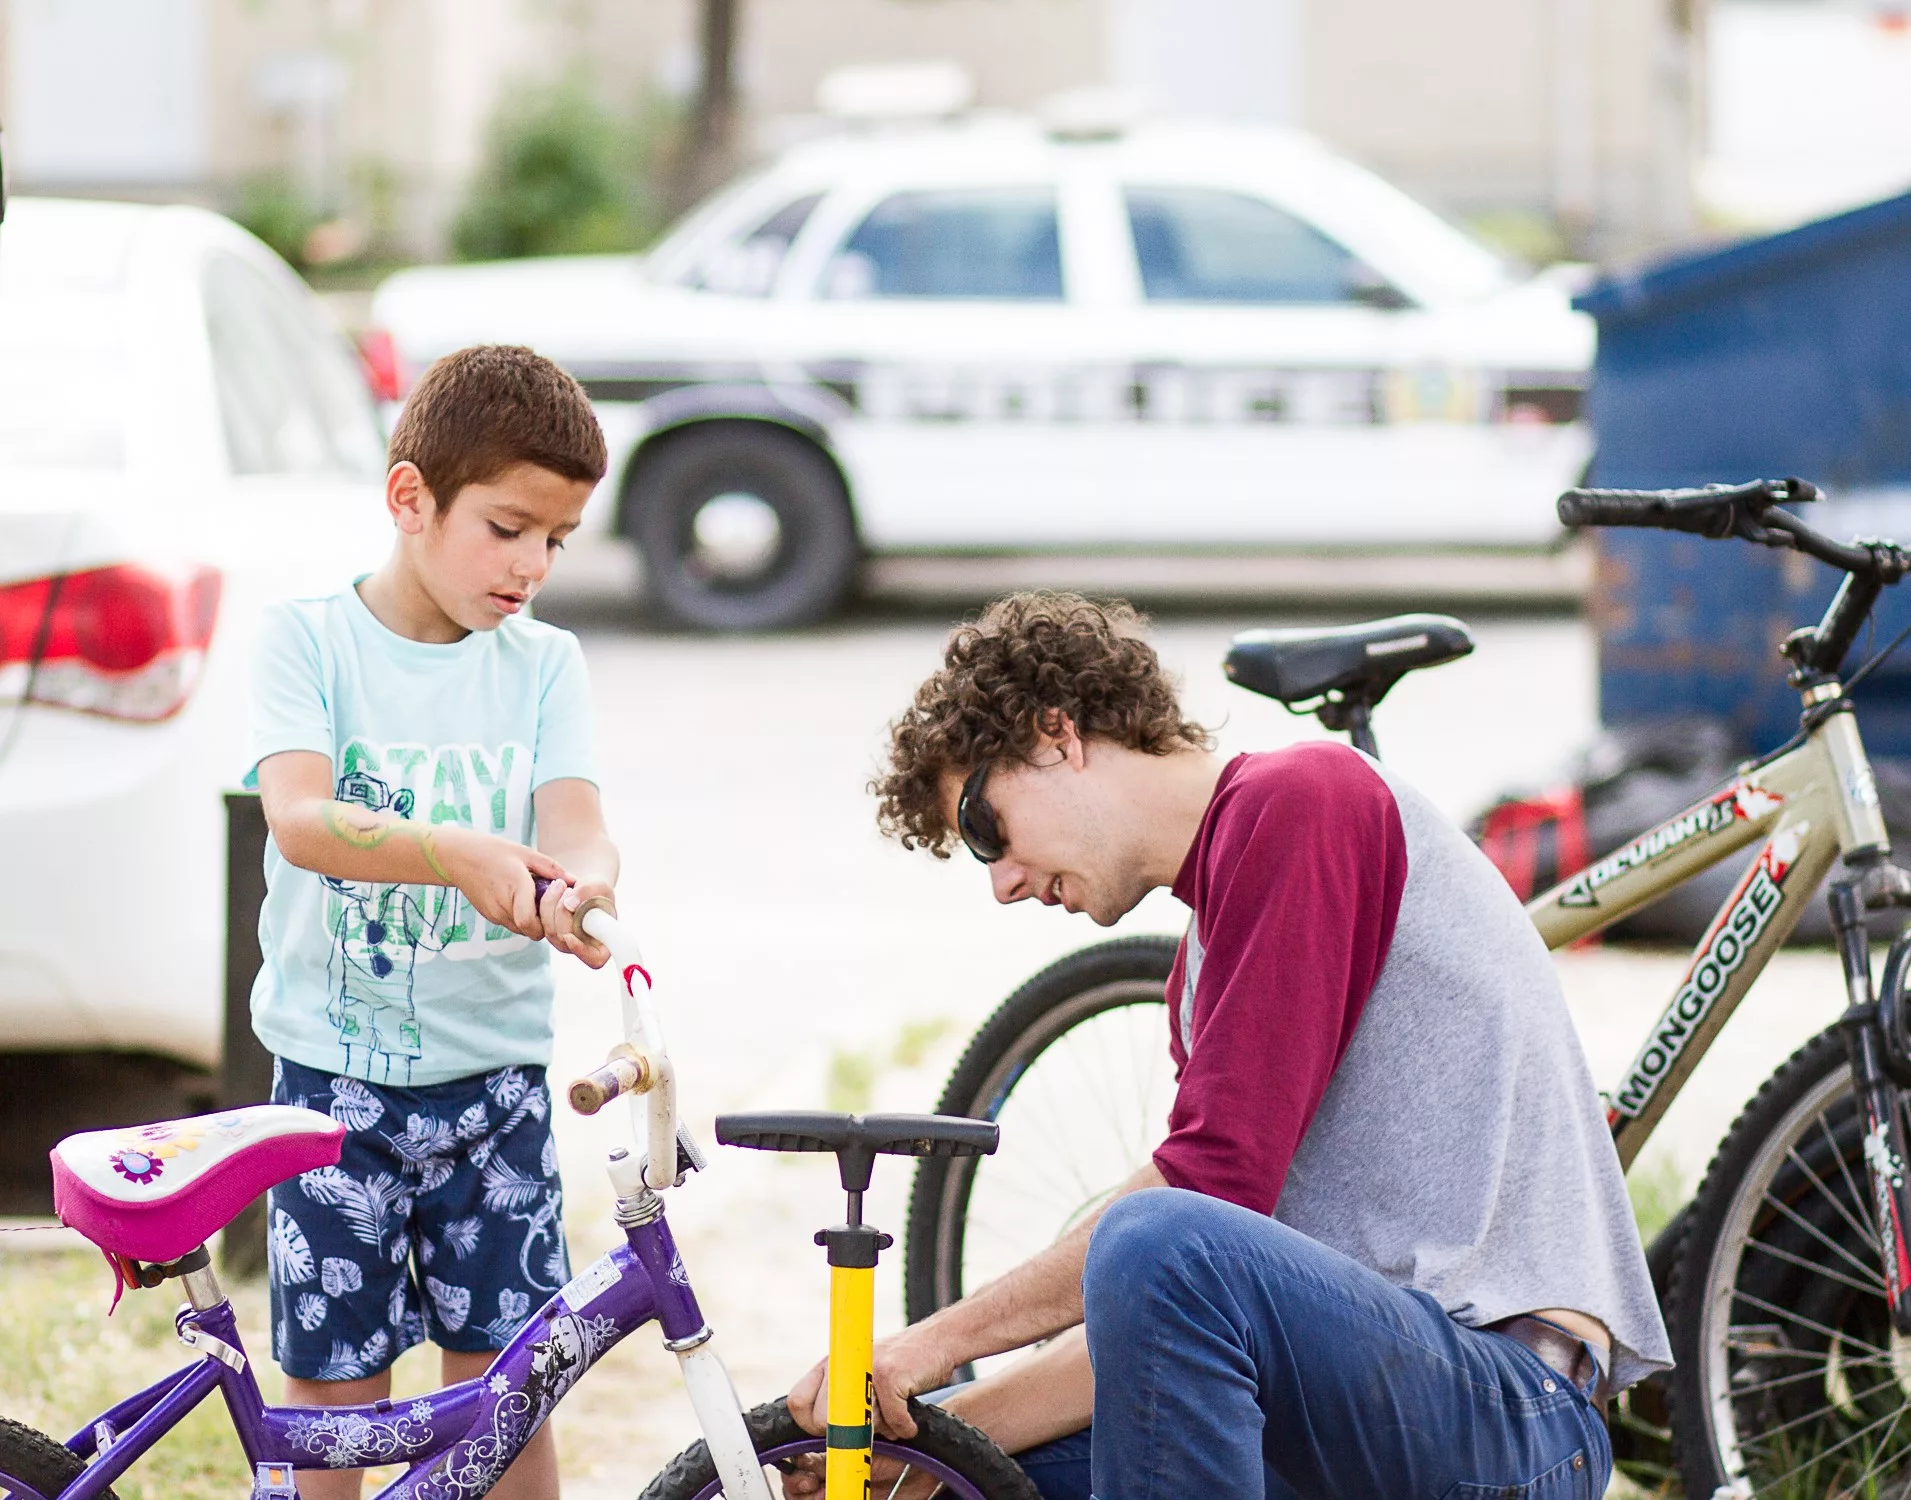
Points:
point(1004, 679)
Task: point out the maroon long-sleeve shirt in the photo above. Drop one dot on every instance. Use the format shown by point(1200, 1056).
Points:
point(1295, 880)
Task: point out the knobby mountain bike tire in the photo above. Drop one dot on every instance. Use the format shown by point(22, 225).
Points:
point(1790, 1381)
point(34, 1466)
point(966, 1464)
point(1075, 1066)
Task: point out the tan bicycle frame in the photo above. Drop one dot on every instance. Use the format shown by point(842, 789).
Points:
point(1814, 802)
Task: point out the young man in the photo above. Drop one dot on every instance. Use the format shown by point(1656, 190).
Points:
point(424, 754)
point(1385, 1250)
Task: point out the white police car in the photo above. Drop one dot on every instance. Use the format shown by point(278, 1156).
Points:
point(1000, 336)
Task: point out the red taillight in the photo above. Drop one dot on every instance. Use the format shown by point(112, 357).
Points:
point(124, 641)
point(384, 371)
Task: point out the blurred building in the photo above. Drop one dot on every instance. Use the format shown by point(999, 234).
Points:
point(1573, 116)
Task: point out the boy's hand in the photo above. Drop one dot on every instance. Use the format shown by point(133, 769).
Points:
point(497, 876)
point(558, 912)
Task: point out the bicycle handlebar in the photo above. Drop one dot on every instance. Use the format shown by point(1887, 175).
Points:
point(641, 1065)
point(1711, 511)
point(1749, 511)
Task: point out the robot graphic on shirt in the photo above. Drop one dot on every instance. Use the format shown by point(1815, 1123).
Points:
point(376, 935)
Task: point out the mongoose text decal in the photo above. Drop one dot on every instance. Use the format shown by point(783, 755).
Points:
point(1750, 912)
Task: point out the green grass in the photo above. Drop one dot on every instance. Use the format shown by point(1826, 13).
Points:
point(63, 1361)
point(1658, 1190)
point(849, 1082)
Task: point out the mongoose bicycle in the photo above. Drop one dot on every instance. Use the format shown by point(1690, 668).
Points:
point(1790, 1286)
point(151, 1197)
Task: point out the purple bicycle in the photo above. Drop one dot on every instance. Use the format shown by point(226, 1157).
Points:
point(151, 1197)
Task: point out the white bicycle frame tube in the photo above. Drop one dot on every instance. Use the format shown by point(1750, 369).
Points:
point(713, 1395)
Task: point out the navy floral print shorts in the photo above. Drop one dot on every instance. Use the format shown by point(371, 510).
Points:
point(443, 1219)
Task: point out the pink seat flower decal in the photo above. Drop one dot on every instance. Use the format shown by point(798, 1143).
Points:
point(137, 1166)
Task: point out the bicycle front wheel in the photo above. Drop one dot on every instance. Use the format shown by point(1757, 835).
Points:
point(1074, 1067)
point(1790, 1379)
point(961, 1461)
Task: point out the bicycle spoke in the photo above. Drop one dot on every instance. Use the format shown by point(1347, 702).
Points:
point(1769, 1432)
point(1873, 1469)
point(1098, 1095)
point(1871, 1235)
point(1874, 1287)
point(1843, 1212)
point(1824, 1453)
point(1077, 1122)
point(1037, 1174)
point(1056, 1130)
point(1804, 1322)
point(1814, 1231)
point(1817, 1372)
point(1118, 1119)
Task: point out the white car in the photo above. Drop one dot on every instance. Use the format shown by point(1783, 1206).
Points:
point(183, 433)
point(996, 336)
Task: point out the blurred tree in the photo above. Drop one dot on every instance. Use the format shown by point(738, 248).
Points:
point(274, 207)
point(709, 148)
point(563, 175)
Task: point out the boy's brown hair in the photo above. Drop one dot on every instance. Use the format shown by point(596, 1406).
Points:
point(479, 411)
point(1004, 679)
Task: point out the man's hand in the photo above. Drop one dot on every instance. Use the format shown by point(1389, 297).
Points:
point(906, 1364)
point(558, 912)
point(805, 1480)
point(498, 877)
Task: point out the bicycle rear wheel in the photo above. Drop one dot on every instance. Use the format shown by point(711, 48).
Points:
point(1790, 1380)
point(1074, 1066)
point(960, 1459)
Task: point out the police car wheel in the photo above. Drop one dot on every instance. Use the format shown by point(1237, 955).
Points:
point(742, 526)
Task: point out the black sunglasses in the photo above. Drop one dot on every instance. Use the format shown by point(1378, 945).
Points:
point(975, 819)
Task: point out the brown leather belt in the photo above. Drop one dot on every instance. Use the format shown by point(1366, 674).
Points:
point(1571, 1356)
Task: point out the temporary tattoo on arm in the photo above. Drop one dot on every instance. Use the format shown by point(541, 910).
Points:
point(364, 829)
point(358, 827)
point(428, 846)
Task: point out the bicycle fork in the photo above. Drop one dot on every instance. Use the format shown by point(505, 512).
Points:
point(1870, 1046)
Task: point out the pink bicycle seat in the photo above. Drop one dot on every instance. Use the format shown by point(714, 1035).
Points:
point(155, 1192)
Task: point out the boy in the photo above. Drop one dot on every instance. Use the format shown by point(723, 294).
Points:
point(423, 754)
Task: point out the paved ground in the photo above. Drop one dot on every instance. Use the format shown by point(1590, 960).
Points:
point(793, 946)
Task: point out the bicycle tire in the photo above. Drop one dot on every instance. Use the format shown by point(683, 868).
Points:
point(34, 1466)
point(1067, 994)
point(1777, 1380)
point(944, 1445)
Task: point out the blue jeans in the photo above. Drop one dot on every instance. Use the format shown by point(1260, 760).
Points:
point(1234, 1356)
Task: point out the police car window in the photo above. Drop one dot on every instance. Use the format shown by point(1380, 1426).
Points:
point(748, 267)
point(1205, 245)
point(997, 243)
point(290, 395)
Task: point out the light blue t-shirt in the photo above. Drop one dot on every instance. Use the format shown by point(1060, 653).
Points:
point(408, 984)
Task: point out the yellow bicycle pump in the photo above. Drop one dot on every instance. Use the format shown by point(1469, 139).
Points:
point(853, 1247)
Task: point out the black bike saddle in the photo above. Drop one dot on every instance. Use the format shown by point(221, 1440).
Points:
point(858, 1139)
point(1297, 666)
